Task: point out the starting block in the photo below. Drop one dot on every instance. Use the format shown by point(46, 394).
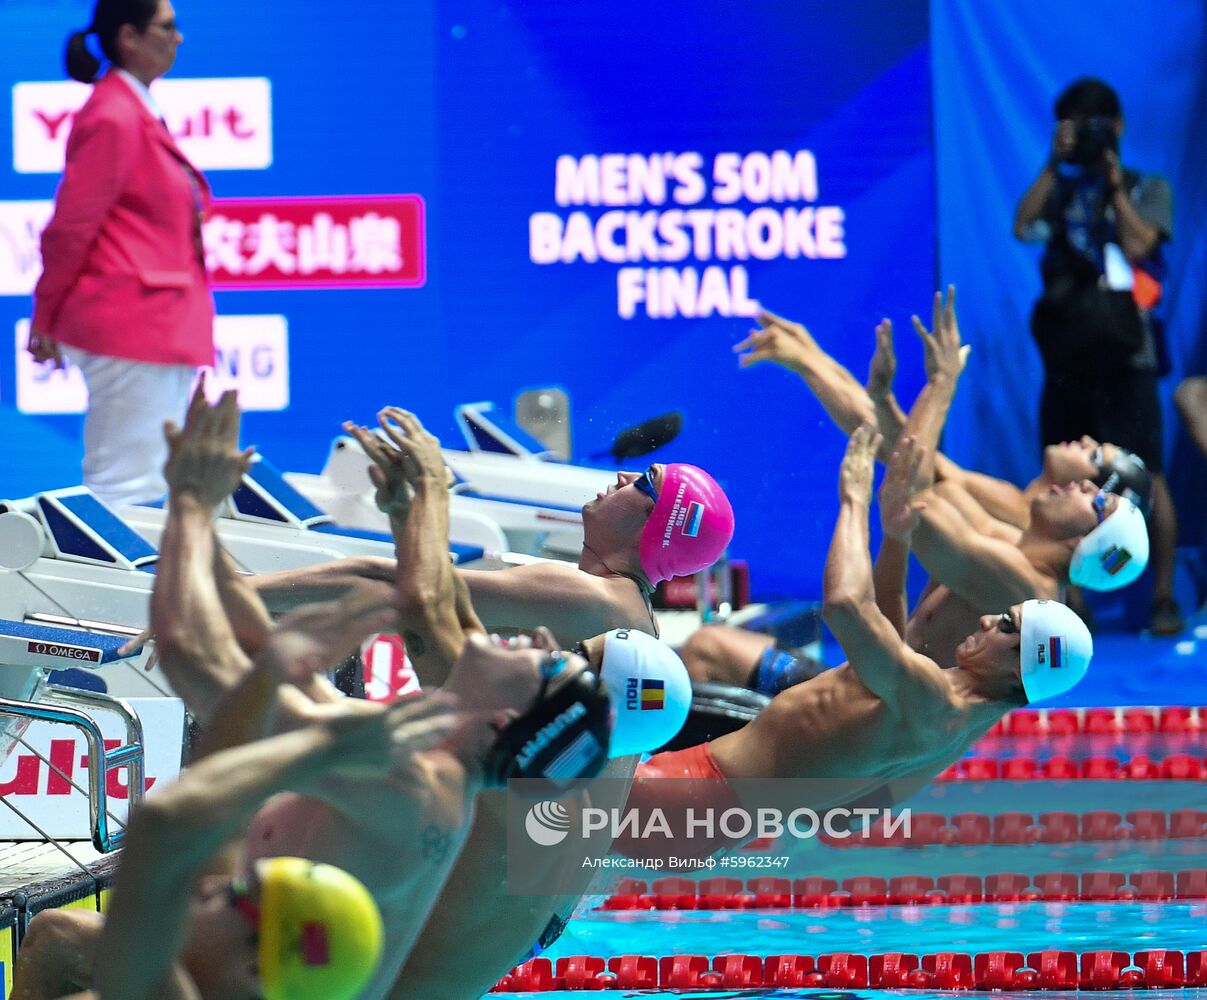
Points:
point(267, 525)
point(69, 567)
point(510, 494)
point(28, 650)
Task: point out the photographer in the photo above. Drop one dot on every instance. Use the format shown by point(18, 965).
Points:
point(1104, 227)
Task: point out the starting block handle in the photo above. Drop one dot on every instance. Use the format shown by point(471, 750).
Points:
point(56, 708)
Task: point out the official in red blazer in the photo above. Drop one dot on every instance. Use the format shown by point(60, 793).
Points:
point(123, 292)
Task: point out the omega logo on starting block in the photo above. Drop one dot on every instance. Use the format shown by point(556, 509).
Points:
point(66, 652)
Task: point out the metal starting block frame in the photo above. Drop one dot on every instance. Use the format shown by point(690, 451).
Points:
point(27, 646)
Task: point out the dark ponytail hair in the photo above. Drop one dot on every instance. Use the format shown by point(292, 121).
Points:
point(107, 20)
point(81, 64)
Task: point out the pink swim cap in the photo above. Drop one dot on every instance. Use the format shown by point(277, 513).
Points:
point(689, 526)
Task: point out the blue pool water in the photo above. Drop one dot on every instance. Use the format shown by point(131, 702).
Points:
point(1024, 927)
point(918, 930)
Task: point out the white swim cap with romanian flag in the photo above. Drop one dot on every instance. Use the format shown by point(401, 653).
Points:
point(651, 692)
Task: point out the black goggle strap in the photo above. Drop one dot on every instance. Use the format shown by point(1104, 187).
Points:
point(550, 667)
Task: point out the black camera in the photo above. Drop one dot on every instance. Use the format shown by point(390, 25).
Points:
point(1092, 138)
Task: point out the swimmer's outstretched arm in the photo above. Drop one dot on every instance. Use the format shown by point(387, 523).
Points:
point(899, 510)
point(889, 575)
point(791, 346)
point(197, 647)
point(950, 563)
point(945, 358)
point(876, 652)
point(574, 605)
point(994, 498)
point(287, 589)
point(248, 616)
point(986, 572)
point(173, 835)
point(975, 513)
point(849, 404)
point(410, 476)
point(911, 467)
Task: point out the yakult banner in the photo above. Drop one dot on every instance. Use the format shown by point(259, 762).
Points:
point(48, 798)
point(251, 355)
point(219, 124)
point(21, 225)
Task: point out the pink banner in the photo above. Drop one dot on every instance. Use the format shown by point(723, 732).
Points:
point(374, 241)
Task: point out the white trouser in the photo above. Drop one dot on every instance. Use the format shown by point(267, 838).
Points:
point(128, 401)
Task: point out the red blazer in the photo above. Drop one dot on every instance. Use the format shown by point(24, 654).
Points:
point(122, 272)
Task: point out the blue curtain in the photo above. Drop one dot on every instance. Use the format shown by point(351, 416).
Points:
point(997, 69)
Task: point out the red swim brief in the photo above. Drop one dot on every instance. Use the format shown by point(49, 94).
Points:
point(674, 783)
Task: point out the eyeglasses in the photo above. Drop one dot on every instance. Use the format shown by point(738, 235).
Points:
point(171, 27)
point(1005, 624)
point(236, 896)
point(645, 483)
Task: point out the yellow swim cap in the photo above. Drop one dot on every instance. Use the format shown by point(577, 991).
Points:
point(320, 931)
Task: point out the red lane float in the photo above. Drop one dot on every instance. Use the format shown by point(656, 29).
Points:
point(996, 970)
point(971, 829)
point(820, 893)
point(1058, 767)
point(1129, 720)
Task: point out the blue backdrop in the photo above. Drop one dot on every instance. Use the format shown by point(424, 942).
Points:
point(470, 106)
point(997, 70)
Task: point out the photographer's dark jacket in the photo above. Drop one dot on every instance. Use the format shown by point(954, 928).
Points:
point(1087, 309)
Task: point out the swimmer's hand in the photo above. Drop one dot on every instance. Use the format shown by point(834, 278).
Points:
point(899, 511)
point(320, 636)
point(858, 466)
point(394, 493)
point(883, 367)
point(945, 356)
point(204, 460)
point(136, 643)
point(423, 461)
point(372, 745)
point(777, 340)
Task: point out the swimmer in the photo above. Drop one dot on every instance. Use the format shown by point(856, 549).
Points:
point(533, 712)
point(887, 721)
point(1076, 532)
point(478, 930)
point(671, 520)
point(189, 920)
point(848, 404)
point(791, 346)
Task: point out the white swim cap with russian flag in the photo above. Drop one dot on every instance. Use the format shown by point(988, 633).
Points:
point(1056, 649)
point(651, 692)
point(1114, 553)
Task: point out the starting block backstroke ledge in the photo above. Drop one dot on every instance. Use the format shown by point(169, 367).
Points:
point(67, 562)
